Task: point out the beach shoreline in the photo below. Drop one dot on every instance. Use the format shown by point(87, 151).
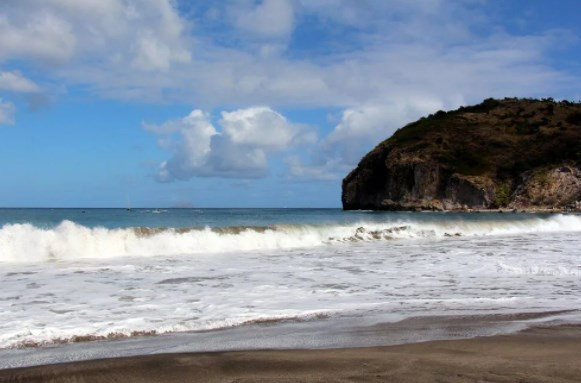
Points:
point(319, 334)
point(541, 354)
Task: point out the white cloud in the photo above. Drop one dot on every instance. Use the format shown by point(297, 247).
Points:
point(229, 160)
point(16, 82)
point(154, 54)
point(327, 171)
point(373, 122)
point(258, 126)
point(239, 150)
point(190, 151)
point(268, 19)
point(6, 113)
point(357, 132)
point(104, 33)
point(35, 35)
point(430, 48)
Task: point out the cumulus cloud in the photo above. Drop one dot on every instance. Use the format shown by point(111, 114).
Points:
point(248, 139)
point(239, 150)
point(259, 126)
point(16, 82)
point(6, 113)
point(190, 150)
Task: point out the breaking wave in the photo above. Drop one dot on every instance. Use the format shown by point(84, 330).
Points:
point(56, 337)
point(70, 241)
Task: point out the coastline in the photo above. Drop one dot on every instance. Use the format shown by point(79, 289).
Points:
point(541, 354)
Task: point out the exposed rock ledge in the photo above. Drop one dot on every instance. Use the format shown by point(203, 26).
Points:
point(507, 154)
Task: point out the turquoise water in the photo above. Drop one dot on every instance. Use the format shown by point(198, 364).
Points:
point(177, 218)
point(191, 218)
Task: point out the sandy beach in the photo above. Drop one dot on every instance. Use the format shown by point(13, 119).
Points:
point(535, 355)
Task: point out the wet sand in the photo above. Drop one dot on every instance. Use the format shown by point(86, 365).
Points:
point(536, 355)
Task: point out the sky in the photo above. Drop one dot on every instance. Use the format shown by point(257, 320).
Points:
point(249, 103)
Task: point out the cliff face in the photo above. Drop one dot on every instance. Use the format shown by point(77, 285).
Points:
point(521, 154)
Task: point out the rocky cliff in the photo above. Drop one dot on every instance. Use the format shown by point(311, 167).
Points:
point(511, 153)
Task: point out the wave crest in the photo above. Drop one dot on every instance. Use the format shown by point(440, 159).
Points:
point(70, 241)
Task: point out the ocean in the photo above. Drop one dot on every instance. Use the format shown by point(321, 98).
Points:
point(73, 276)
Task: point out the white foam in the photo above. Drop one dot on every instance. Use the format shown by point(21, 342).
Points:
point(58, 301)
point(70, 241)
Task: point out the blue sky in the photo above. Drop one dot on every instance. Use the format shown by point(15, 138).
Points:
point(245, 103)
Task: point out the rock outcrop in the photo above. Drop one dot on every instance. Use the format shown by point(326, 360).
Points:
point(511, 153)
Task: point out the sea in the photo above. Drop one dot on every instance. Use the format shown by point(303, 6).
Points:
point(87, 283)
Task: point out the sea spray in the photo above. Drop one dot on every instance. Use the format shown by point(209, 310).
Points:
point(72, 241)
